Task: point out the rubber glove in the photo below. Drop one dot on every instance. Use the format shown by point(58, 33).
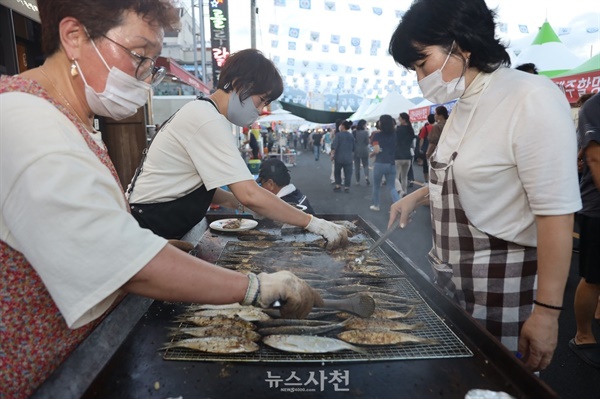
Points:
point(335, 234)
point(295, 296)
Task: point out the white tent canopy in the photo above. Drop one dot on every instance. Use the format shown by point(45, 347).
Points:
point(393, 104)
point(362, 108)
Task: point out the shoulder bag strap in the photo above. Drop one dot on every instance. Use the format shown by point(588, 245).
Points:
point(145, 152)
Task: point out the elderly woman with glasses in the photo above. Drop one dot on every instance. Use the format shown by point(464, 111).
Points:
point(503, 179)
point(68, 246)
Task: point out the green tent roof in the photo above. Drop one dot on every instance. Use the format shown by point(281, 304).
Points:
point(546, 35)
point(593, 64)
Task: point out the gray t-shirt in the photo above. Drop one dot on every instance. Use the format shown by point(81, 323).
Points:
point(589, 130)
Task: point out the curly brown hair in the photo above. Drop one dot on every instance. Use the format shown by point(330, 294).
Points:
point(100, 16)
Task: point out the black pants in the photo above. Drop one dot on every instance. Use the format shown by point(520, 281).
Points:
point(337, 173)
point(365, 163)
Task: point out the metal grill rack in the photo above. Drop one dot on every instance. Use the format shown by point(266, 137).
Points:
point(450, 346)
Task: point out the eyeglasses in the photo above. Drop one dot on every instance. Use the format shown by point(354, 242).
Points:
point(146, 66)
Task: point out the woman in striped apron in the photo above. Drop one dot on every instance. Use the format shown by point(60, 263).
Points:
point(502, 195)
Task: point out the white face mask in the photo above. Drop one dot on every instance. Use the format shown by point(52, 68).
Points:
point(122, 96)
point(436, 90)
point(241, 113)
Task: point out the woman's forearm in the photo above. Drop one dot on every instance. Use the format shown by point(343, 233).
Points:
point(173, 275)
point(555, 242)
point(268, 204)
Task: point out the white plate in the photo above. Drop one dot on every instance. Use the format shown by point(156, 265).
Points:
point(247, 224)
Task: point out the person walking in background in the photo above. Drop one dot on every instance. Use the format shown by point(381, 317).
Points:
point(337, 129)
point(342, 154)
point(441, 116)
point(496, 179)
point(275, 177)
point(384, 150)
point(405, 136)
point(316, 142)
point(423, 144)
point(584, 344)
point(528, 67)
point(327, 141)
point(361, 152)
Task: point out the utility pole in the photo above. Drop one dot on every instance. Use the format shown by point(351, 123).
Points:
point(203, 43)
point(253, 23)
point(194, 41)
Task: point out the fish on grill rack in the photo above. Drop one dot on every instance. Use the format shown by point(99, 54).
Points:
point(382, 337)
point(217, 321)
point(384, 314)
point(356, 323)
point(216, 331)
point(216, 345)
point(309, 344)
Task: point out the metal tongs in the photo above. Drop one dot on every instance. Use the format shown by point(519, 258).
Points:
point(373, 247)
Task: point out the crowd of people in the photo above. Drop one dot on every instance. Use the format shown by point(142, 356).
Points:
point(73, 242)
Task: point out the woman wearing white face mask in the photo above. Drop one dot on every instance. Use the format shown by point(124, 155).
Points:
point(68, 247)
point(194, 154)
point(503, 178)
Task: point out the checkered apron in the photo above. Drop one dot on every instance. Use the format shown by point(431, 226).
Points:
point(492, 279)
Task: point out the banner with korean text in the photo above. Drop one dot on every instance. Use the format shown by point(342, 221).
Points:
point(219, 36)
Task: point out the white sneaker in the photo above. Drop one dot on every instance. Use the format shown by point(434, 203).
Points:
point(374, 208)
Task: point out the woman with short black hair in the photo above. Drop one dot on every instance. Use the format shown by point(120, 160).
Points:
point(503, 179)
point(194, 154)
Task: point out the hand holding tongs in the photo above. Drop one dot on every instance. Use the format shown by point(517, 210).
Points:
point(373, 247)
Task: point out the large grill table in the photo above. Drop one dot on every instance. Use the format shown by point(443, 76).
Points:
point(271, 255)
point(468, 359)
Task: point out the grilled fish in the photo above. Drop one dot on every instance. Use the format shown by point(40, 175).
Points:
point(217, 331)
point(384, 314)
point(381, 324)
point(381, 337)
point(246, 313)
point(301, 330)
point(292, 322)
point(217, 321)
point(309, 344)
point(216, 345)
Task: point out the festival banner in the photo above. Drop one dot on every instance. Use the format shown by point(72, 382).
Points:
point(219, 36)
point(575, 86)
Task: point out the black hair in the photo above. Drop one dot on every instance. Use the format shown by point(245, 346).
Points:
point(431, 118)
point(442, 111)
point(405, 116)
point(347, 124)
point(361, 124)
point(528, 67)
point(275, 170)
point(338, 122)
point(249, 73)
point(469, 23)
point(386, 123)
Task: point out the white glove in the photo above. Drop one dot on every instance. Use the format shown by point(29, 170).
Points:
point(335, 235)
point(295, 296)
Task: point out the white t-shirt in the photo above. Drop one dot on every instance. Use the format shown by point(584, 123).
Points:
point(197, 146)
point(518, 156)
point(64, 210)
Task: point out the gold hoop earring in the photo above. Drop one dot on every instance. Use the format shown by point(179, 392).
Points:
point(74, 71)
